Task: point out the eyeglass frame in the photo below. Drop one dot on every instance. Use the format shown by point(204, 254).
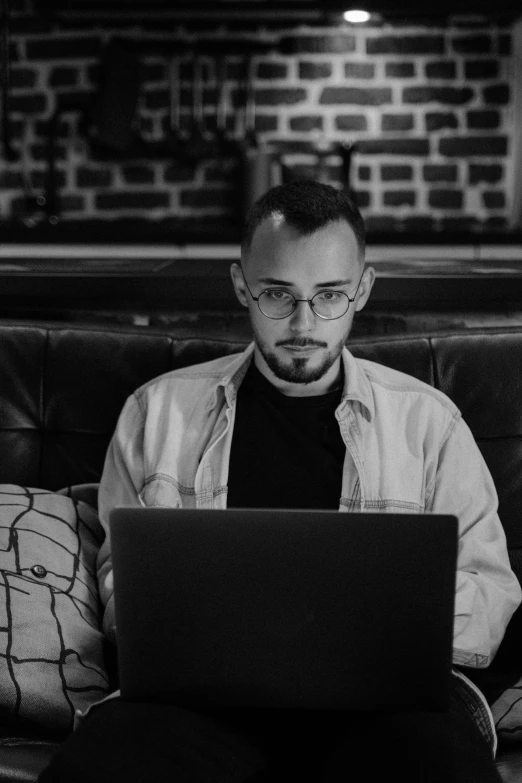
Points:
point(309, 301)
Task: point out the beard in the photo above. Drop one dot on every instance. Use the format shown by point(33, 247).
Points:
point(297, 369)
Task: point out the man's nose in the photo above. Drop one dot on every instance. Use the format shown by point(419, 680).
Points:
point(303, 317)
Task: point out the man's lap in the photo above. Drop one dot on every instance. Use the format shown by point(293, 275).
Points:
point(142, 742)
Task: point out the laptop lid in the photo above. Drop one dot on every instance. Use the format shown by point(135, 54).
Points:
point(287, 609)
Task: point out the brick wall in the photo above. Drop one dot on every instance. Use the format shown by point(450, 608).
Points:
point(429, 108)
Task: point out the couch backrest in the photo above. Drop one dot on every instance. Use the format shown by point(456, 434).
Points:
point(62, 388)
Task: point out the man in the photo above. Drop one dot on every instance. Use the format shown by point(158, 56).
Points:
point(296, 421)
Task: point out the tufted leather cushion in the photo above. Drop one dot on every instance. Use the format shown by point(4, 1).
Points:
point(22, 760)
point(62, 388)
point(62, 391)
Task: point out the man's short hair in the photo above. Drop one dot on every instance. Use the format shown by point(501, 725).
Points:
point(307, 206)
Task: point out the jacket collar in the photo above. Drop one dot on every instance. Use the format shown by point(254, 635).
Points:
point(357, 385)
point(236, 371)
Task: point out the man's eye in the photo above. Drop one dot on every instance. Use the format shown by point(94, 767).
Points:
point(278, 296)
point(329, 296)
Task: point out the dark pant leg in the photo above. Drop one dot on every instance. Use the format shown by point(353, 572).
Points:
point(411, 747)
point(366, 747)
point(140, 743)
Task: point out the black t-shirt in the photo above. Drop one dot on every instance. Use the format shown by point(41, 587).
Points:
point(287, 452)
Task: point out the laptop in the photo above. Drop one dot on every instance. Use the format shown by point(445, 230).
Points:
point(284, 609)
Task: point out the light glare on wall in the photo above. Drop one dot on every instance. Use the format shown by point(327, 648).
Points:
point(356, 16)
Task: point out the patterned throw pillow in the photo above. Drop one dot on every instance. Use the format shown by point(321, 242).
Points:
point(51, 645)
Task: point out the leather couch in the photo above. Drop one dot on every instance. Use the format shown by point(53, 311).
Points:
point(62, 388)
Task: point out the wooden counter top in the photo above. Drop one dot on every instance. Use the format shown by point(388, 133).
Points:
point(179, 260)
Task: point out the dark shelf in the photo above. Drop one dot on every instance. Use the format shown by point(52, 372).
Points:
point(185, 291)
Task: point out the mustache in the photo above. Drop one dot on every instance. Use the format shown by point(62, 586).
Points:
point(301, 342)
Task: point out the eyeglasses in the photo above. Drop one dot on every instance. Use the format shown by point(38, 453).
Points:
point(276, 303)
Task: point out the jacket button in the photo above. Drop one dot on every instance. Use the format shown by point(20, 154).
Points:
point(39, 571)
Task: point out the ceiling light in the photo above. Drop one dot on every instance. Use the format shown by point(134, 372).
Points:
point(356, 16)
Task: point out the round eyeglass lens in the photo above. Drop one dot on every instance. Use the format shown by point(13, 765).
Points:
point(330, 304)
point(276, 304)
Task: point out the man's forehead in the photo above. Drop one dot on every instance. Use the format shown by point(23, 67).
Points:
point(274, 229)
point(276, 243)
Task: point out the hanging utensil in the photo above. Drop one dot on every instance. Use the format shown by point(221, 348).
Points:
point(198, 145)
point(250, 136)
point(225, 144)
point(10, 153)
point(175, 142)
point(261, 165)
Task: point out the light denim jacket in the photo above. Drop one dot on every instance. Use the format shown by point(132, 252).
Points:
point(407, 449)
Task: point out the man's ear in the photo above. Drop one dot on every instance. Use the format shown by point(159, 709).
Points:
point(365, 289)
point(238, 281)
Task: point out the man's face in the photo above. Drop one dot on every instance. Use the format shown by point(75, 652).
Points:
point(300, 354)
